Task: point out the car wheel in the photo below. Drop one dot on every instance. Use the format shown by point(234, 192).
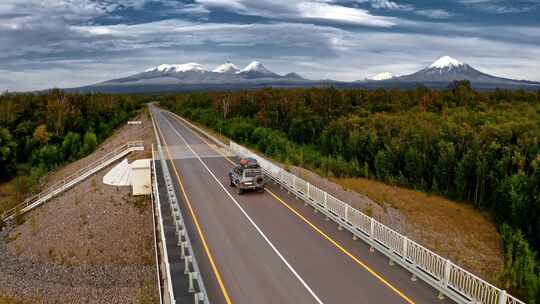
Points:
point(240, 191)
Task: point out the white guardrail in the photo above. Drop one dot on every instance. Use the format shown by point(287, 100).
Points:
point(155, 205)
point(187, 254)
point(448, 278)
point(75, 178)
point(155, 196)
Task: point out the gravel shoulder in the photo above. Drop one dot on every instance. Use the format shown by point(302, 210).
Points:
point(91, 244)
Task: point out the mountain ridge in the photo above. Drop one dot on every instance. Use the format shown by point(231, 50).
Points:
point(195, 76)
point(227, 67)
point(447, 69)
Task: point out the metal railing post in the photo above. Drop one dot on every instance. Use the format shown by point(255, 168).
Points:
point(198, 297)
point(372, 233)
point(192, 277)
point(405, 243)
point(187, 261)
point(446, 277)
point(372, 228)
point(502, 296)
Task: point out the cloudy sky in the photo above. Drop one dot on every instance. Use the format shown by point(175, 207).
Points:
point(67, 43)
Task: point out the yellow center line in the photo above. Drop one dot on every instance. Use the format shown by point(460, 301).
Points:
point(342, 249)
point(318, 230)
point(197, 225)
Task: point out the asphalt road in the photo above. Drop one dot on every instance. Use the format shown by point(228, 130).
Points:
point(268, 247)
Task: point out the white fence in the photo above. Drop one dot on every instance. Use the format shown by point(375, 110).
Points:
point(75, 178)
point(447, 277)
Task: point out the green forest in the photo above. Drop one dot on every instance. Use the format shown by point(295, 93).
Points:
point(39, 132)
point(479, 148)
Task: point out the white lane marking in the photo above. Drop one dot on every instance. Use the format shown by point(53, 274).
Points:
point(248, 217)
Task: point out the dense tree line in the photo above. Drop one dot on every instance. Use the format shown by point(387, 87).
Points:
point(41, 131)
point(482, 148)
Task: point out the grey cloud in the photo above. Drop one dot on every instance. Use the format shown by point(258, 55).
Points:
point(434, 13)
point(174, 33)
point(312, 50)
point(503, 6)
point(326, 10)
point(386, 4)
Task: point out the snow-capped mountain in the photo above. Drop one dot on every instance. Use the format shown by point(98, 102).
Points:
point(447, 69)
point(382, 76)
point(196, 75)
point(226, 68)
point(193, 76)
point(178, 68)
point(446, 63)
point(256, 70)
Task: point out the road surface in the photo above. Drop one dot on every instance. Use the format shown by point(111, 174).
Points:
point(268, 247)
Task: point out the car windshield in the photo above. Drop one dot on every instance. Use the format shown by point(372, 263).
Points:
point(252, 173)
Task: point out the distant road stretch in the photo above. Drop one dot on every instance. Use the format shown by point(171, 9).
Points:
point(268, 247)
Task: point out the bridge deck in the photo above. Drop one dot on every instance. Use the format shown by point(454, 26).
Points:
point(263, 251)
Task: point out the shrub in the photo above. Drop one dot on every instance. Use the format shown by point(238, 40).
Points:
point(71, 146)
point(89, 143)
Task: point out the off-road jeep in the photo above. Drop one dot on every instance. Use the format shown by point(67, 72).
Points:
point(247, 175)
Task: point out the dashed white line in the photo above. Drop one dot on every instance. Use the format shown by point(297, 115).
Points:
point(261, 233)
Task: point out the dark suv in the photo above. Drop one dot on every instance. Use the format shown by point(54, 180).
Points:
point(247, 175)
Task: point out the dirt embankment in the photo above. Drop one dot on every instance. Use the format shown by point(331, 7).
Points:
point(91, 244)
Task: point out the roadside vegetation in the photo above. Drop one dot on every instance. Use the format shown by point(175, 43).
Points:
point(39, 132)
point(480, 148)
point(111, 262)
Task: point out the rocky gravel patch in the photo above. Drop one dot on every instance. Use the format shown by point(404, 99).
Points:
point(23, 278)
